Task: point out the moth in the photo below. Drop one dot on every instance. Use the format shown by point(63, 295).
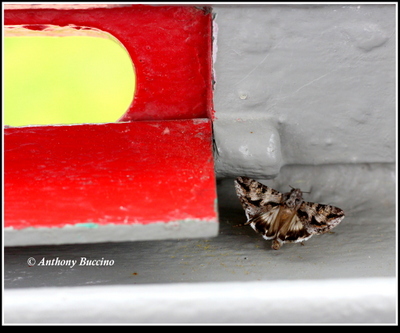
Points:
point(284, 217)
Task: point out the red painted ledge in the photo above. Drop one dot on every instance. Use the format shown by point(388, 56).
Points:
point(135, 173)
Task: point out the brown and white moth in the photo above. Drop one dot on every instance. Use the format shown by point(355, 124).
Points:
point(284, 217)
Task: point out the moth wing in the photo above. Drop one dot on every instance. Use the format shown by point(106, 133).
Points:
point(271, 227)
point(266, 223)
point(295, 231)
point(319, 218)
point(256, 197)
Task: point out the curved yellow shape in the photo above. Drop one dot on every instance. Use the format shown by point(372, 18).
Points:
point(65, 76)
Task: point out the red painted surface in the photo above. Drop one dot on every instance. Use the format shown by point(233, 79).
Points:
point(170, 47)
point(122, 173)
point(136, 172)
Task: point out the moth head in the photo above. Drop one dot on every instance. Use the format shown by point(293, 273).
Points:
point(294, 198)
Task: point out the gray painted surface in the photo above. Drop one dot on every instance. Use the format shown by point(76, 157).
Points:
point(304, 95)
point(93, 233)
point(304, 85)
point(231, 302)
